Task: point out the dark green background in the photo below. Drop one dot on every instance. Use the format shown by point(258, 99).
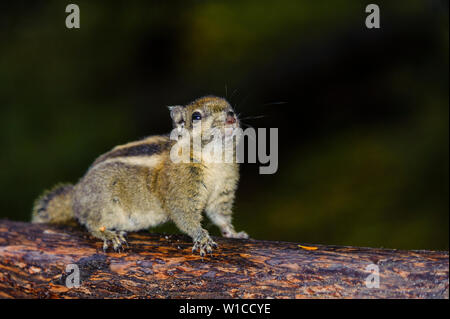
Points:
point(363, 126)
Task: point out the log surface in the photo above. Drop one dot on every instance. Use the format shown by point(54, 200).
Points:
point(33, 261)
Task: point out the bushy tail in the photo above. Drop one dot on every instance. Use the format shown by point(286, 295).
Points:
point(54, 206)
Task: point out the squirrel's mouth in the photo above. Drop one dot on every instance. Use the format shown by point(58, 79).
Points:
point(233, 125)
point(230, 120)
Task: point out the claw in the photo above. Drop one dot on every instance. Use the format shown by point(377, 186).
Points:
point(105, 245)
point(122, 237)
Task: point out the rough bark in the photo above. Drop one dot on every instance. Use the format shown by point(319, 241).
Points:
point(33, 260)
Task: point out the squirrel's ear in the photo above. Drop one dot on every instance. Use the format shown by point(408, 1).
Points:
point(177, 114)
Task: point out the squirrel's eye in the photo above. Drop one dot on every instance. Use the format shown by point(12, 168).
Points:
point(196, 116)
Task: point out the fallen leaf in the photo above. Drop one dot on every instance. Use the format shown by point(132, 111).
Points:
point(308, 248)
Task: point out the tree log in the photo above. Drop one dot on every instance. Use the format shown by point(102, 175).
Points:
point(33, 261)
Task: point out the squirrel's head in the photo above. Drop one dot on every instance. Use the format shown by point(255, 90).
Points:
point(210, 112)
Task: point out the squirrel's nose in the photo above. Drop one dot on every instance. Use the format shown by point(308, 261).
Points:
point(230, 118)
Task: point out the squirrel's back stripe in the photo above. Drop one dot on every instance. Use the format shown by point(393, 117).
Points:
point(132, 161)
point(146, 148)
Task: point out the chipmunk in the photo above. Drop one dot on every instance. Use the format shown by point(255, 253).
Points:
point(137, 185)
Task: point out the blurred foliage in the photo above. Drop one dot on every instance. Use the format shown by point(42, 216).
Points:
point(362, 114)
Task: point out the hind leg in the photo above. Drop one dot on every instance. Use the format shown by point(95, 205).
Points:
point(109, 228)
point(107, 225)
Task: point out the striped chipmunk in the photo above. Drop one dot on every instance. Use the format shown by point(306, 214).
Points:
point(139, 185)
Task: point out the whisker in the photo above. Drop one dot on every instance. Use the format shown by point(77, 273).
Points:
point(235, 90)
point(275, 103)
point(246, 124)
point(237, 105)
point(252, 117)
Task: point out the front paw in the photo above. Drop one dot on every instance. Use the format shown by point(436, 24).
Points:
point(233, 234)
point(242, 235)
point(204, 244)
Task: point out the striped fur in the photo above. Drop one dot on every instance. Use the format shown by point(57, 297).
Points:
point(55, 206)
